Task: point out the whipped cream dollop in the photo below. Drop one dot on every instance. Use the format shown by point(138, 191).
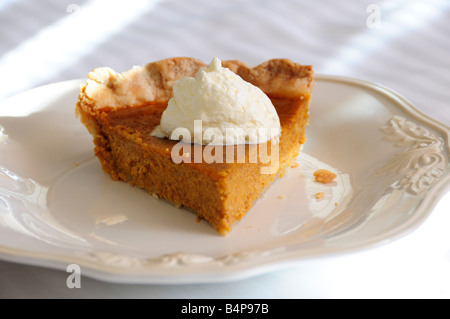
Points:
point(217, 107)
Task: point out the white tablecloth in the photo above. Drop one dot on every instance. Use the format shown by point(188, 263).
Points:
point(404, 45)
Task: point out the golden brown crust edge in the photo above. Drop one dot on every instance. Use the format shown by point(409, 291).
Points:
point(277, 77)
point(153, 82)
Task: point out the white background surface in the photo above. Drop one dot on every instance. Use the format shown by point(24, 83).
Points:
point(408, 50)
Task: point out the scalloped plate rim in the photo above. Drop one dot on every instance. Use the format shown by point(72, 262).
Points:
point(246, 269)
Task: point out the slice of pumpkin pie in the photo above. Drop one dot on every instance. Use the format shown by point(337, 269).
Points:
point(207, 138)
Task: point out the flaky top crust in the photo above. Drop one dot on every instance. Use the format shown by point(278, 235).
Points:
point(152, 83)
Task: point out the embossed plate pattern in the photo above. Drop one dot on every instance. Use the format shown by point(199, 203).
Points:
point(57, 207)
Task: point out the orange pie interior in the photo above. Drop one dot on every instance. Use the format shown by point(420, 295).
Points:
point(121, 111)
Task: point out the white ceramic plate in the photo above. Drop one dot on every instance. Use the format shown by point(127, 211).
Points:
point(57, 207)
